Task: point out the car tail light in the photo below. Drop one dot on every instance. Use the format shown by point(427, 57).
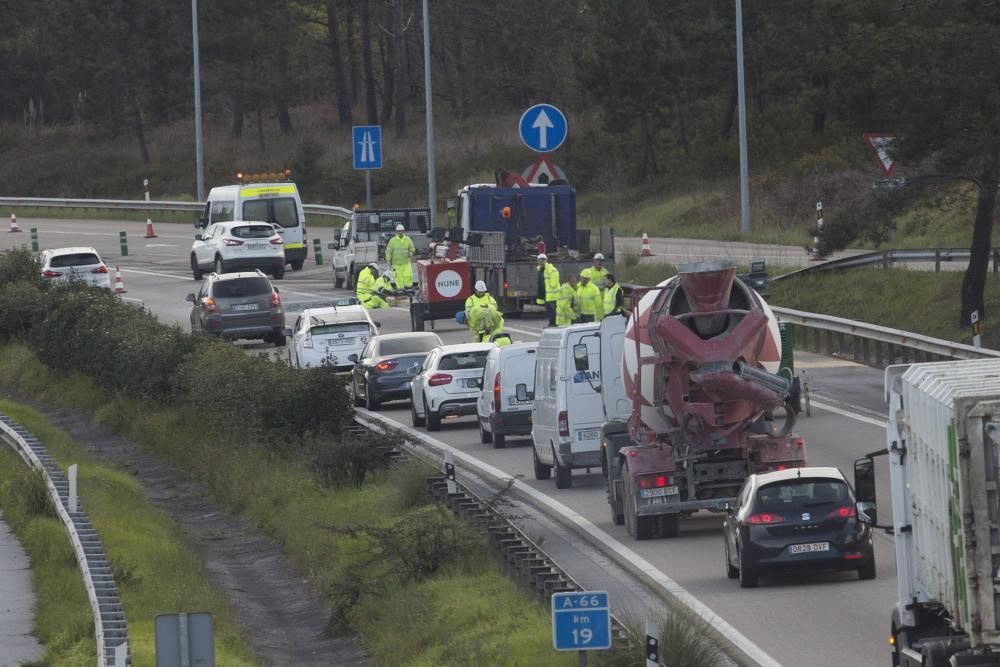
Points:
point(100, 269)
point(277, 240)
point(50, 274)
point(853, 555)
point(384, 366)
point(232, 242)
point(563, 424)
point(496, 394)
point(766, 519)
point(654, 481)
point(439, 379)
point(843, 512)
point(210, 305)
point(304, 233)
point(275, 300)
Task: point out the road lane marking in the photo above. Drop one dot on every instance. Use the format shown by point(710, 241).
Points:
point(822, 405)
point(740, 641)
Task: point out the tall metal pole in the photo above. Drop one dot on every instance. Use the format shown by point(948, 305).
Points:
point(199, 153)
point(429, 106)
point(744, 168)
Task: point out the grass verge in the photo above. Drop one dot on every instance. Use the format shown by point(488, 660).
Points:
point(155, 570)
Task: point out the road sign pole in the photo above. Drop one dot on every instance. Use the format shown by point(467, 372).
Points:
point(977, 339)
point(744, 167)
point(652, 645)
point(368, 189)
point(429, 107)
point(582, 659)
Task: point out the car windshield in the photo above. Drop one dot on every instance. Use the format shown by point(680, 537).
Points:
point(280, 211)
point(348, 327)
point(238, 287)
point(408, 345)
point(795, 494)
point(463, 361)
point(75, 259)
point(253, 232)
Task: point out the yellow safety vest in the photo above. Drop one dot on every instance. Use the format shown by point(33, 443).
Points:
point(611, 299)
point(596, 276)
point(565, 311)
point(399, 250)
point(589, 298)
point(551, 282)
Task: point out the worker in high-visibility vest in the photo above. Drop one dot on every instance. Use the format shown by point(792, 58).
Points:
point(548, 286)
point(597, 272)
point(566, 305)
point(614, 298)
point(398, 253)
point(590, 300)
point(482, 314)
point(367, 290)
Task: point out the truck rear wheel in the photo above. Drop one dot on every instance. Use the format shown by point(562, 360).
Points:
point(867, 571)
point(337, 282)
point(670, 525)
point(639, 527)
point(416, 317)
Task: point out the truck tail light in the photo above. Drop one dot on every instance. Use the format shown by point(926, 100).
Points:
point(384, 366)
point(50, 274)
point(563, 424)
point(275, 300)
point(100, 269)
point(232, 242)
point(766, 519)
point(439, 379)
point(210, 305)
point(496, 394)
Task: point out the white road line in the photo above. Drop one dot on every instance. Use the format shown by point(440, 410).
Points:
point(54, 231)
point(157, 274)
point(847, 413)
point(734, 636)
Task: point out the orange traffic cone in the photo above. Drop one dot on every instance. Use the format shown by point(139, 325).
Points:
point(647, 251)
point(119, 283)
point(150, 234)
point(13, 223)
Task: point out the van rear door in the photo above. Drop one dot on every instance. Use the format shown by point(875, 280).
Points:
point(517, 368)
point(584, 408)
point(617, 406)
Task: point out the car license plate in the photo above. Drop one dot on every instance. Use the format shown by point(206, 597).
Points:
point(512, 401)
point(663, 491)
point(812, 547)
point(245, 306)
point(256, 246)
point(332, 342)
point(589, 434)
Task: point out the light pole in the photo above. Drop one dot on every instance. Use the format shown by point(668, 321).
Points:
point(429, 109)
point(199, 153)
point(741, 89)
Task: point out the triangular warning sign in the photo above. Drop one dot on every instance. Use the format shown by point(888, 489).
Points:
point(544, 170)
point(883, 145)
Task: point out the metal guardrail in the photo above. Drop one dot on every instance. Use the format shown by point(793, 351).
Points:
point(110, 627)
point(884, 258)
point(143, 205)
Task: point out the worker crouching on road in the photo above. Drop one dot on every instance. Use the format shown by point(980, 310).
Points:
point(368, 287)
point(597, 272)
point(398, 253)
point(482, 315)
point(590, 300)
point(566, 303)
point(548, 287)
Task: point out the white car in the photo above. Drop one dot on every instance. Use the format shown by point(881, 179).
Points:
point(448, 383)
point(80, 263)
point(330, 335)
point(238, 246)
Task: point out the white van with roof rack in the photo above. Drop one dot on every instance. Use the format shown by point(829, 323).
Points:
point(277, 203)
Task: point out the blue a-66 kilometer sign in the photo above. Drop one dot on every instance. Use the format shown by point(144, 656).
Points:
point(581, 621)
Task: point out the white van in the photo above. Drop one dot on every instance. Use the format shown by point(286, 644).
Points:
point(329, 336)
point(504, 405)
point(567, 414)
point(276, 203)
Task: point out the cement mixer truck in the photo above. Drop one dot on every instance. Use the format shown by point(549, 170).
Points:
point(694, 399)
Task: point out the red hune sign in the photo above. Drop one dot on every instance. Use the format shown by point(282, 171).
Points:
point(442, 281)
point(883, 145)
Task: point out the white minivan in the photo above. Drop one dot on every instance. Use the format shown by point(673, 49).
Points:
point(276, 203)
point(567, 413)
point(504, 404)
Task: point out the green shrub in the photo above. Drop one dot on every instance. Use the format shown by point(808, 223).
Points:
point(19, 265)
point(22, 305)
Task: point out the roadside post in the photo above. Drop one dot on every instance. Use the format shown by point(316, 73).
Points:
point(449, 473)
point(977, 339)
point(145, 187)
point(123, 242)
point(652, 645)
point(34, 239)
point(72, 489)
point(185, 640)
point(367, 144)
point(581, 621)
point(318, 251)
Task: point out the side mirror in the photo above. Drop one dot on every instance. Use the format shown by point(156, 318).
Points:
point(581, 357)
point(189, 297)
point(864, 487)
point(479, 383)
point(724, 506)
point(521, 392)
point(198, 237)
point(287, 332)
point(276, 289)
point(352, 358)
point(337, 233)
point(378, 325)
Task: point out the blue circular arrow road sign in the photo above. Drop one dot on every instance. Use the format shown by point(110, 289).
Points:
point(543, 128)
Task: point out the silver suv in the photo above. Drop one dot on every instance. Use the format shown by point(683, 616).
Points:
point(239, 305)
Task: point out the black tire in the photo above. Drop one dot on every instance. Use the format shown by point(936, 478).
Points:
point(499, 441)
point(337, 282)
point(297, 264)
point(416, 317)
point(732, 572)
point(351, 279)
point(564, 476)
point(433, 420)
point(278, 274)
point(358, 401)
point(278, 338)
point(371, 403)
point(220, 268)
point(195, 269)
point(867, 571)
point(542, 471)
point(748, 578)
point(414, 418)
point(485, 436)
point(670, 525)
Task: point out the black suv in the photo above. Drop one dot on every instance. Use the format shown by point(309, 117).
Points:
point(238, 305)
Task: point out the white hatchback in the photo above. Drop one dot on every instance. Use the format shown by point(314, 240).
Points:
point(330, 335)
point(227, 247)
point(448, 383)
point(81, 264)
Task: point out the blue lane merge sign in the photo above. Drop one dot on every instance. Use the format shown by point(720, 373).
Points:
point(543, 128)
point(581, 621)
point(367, 146)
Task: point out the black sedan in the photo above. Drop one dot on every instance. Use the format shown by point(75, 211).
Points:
point(798, 519)
point(387, 366)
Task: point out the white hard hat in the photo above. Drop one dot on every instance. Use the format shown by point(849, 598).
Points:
point(400, 228)
point(374, 265)
point(542, 255)
point(480, 286)
point(599, 256)
point(389, 275)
